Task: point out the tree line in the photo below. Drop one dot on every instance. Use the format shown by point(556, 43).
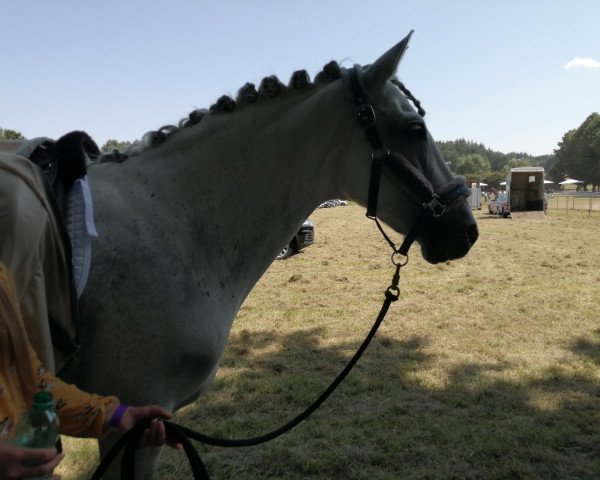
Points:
point(577, 156)
point(7, 134)
point(480, 164)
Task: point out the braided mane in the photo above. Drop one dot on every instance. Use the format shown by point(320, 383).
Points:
point(269, 87)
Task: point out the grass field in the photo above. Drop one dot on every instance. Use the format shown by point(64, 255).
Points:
point(486, 368)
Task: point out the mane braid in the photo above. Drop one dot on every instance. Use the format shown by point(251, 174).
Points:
point(224, 104)
point(247, 94)
point(299, 79)
point(331, 71)
point(410, 96)
point(193, 118)
point(269, 87)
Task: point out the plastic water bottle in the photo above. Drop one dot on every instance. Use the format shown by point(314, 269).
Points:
point(38, 428)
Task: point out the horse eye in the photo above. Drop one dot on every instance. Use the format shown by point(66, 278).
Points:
point(417, 129)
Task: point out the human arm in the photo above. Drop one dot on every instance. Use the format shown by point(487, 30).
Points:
point(125, 417)
point(89, 415)
point(19, 462)
point(81, 414)
point(84, 414)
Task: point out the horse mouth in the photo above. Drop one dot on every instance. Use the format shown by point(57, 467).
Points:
point(452, 247)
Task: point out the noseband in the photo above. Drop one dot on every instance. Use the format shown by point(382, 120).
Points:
point(434, 203)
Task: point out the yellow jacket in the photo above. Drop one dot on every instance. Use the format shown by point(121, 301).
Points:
point(21, 375)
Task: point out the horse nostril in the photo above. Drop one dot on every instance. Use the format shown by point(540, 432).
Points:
point(472, 233)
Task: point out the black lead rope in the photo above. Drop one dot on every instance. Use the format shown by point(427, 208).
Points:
point(179, 434)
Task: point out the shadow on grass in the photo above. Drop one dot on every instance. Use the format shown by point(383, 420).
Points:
point(589, 349)
point(388, 420)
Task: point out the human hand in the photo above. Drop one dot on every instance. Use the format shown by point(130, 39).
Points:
point(154, 435)
point(18, 462)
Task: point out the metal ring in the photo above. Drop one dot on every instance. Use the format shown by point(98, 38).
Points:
point(435, 214)
point(398, 259)
point(393, 291)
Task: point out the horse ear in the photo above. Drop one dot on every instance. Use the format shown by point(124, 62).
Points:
point(385, 66)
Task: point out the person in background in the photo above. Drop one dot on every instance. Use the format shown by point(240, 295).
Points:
point(81, 414)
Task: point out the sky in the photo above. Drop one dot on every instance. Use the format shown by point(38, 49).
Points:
point(515, 75)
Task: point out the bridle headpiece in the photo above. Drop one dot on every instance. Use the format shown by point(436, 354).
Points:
point(434, 203)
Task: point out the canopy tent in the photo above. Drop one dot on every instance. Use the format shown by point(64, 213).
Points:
point(548, 181)
point(570, 181)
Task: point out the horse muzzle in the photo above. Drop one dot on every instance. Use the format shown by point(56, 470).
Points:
point(440, 245)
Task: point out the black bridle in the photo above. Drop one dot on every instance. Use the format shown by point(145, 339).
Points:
point(434, 203)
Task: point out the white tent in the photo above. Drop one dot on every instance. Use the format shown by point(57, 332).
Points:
point(548, 181)
point(569, 181)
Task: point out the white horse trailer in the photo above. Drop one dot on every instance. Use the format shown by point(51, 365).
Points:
point(475, 198)
point(525, 190)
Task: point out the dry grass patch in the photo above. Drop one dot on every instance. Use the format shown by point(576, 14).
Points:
point(487, 368)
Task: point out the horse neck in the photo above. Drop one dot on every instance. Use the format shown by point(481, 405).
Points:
point(249, 178)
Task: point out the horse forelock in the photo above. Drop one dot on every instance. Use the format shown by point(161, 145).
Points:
point(270, 87)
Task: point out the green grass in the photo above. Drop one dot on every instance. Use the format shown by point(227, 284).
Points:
point(486, 368)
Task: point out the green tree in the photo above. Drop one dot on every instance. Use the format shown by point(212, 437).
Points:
point(516, 162)
point(473, 166)
point(112, 145)
point(7, 134)
point(452, 150)
point(493, 179)
point(563, 154)
point(578, 154)
point(589, 149)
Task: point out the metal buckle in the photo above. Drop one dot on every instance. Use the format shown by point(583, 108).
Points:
point(380, 154)
point(366, 115)
point(436, 207)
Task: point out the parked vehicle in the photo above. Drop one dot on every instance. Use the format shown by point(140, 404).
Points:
point(304, 238)
point(525, 190)
point(499, 205)
point(335, 202)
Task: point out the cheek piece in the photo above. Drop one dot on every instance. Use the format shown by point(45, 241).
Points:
point(434, 203)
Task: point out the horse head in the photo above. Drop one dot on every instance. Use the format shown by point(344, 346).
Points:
point(407, 168)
